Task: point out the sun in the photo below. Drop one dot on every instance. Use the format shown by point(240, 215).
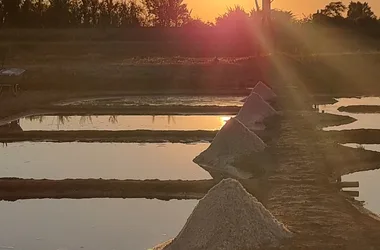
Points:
point(224, 120)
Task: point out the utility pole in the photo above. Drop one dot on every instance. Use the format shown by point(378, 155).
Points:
point(267, 7)
point(267, 24)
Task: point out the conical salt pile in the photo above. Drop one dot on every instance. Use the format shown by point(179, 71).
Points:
point(264, 91)
point(254, 111)
point(227, 218)
point(233, 142)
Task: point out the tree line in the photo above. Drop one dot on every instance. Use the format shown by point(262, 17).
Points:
point(92, 13)
point(356, 13)
point(160, 13)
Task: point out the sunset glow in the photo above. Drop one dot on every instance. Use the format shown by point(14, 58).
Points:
point(224, 120)
point(209, 10)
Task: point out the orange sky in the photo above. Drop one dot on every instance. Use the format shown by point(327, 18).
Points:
point(209, 9)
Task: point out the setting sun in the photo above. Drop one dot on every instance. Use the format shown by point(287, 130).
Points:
point(224, 119)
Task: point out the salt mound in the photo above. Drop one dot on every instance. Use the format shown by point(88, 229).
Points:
point(254, 111)
point(228, 217)
point(233, 142)
point(264, 91)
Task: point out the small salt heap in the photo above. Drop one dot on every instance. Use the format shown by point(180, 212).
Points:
point(232, 143)
point(228, 217)
point(254, 111)
point(264, 91)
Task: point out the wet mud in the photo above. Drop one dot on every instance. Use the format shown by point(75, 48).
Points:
point(12, 189)
point(360, 109)
point(132, 136)
point(139, 110)
point(360, 136)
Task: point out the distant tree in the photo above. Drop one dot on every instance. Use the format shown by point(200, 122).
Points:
point(360, 11)
point(334, 9)
point(58, 13)
point(75, 13)
point(235, 18)
point(282, 16)
point(197, 24)
point(27, 15)
point(93, 11)
point(168, 13)
point(2, 16)
point(11, 9)
point(130, 14)
point(107, 13)
point(331, 14)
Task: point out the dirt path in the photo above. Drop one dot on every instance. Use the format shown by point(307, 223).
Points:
point(321, 216)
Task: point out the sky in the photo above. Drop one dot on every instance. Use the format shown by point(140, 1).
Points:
point(209, 9)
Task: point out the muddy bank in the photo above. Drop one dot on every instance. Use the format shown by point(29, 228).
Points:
point(139, 110)
point(326, 120)
point(345, 160)
point(360, 109)
point(323, 99)
point(132, 136)
point(14, 189)
point(360, 136)
point(29, 102)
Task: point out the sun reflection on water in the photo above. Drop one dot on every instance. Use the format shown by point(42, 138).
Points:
point(224, 120)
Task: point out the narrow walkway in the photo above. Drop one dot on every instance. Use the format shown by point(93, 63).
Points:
point(304, 200)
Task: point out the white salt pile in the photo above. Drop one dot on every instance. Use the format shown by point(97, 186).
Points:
point(232, 142)
point(264, 91)
point(227, 218)
point(254, 111)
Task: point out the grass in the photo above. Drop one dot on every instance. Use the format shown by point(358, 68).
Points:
point(117, 59)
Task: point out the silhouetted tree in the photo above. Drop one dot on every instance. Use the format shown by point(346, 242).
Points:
point(331, 14)
point(58, 13)
point(93, 11)
point(359, 11)
point(234, 18)
point(11, 9)
point(197, 23)
point(168, 13)
point(107, 13)
point(282, 16)
point(334, 9)
point(130, 14)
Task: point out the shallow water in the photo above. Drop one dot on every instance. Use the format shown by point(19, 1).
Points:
point(212, 122)
point(160, 100)
point(96, 224)
point(102, 160)
point(364, 121)
point(369, 184)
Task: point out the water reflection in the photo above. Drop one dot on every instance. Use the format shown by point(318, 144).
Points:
point(95, 224)
point(210, 122)
point(364, 121)
point(102, 160)
point(369, 181)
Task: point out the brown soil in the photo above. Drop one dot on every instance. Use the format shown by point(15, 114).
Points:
point(360, 109)
point(14, 189)
point(138, 110)
point(132, 136)
point(360, 136)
